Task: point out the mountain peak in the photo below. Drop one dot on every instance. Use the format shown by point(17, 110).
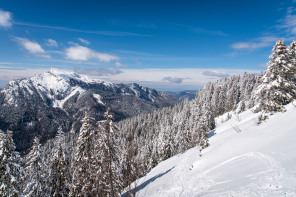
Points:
point(59, 98)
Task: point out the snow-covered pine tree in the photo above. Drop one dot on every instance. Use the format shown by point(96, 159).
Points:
point(205, 125)
point(291, 70)
point(58, 180)
point(34, 177)
point(11, 171)
point(112, 180)
point(277, 88)
point(83, 180)
point(131, 167)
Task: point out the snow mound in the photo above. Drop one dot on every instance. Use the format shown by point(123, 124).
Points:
point(243, 159)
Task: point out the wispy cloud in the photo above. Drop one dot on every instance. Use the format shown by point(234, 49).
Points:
point(264, 65)
point(96, 71)
point(5, 18)
point(249, 45)
point(286, 28)
point(288, 23)
point(200, 30)
point(51, 43)
point(82, 53)
point(32, 47)
point(6, 63)
point(106, 33)
point(118, 64)
point(84, 41)
point(215, 73)
point(257, 43)
point(209, 32)
point(173, 79)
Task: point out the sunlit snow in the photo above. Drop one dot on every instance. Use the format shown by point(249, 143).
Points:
point(258, 161)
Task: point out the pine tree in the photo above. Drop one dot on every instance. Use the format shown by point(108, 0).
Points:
point(131, 168)
point(291, 70)
point(83, 177)
point(277, 88)
point(11, 170)
point(205, 125)
point(112, 183)
point(34, 171)
point(58, 182)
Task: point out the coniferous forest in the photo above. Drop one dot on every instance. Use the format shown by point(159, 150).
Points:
point(105, 157)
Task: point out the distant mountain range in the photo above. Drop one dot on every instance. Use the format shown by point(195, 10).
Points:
point(37, 106)
point(185, 94)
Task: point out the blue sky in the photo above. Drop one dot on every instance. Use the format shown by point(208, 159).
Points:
point(167, 45)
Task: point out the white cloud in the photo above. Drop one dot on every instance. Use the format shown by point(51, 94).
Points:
point(174, 79)
point(10, 73)
point(250, 45)
point(215, 73)
point(5, 18)
point(107, 33)
point(81, 53)
point(83, 41)
point(97, 71)
point(51, 43)
point(260, 42)
point(32, 47)
point(118, 64)
point(289, 22)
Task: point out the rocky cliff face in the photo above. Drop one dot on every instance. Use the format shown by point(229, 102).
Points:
point(39, 105)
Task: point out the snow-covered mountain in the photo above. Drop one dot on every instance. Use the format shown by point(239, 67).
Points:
point(243, 159)
point(39, 105)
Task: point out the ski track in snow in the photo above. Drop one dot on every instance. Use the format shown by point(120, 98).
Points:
point(258, 161)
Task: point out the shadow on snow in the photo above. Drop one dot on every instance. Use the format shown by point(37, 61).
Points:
point(144, 184)
point(212, 133)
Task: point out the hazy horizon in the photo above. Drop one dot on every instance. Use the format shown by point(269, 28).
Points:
point(166, 45)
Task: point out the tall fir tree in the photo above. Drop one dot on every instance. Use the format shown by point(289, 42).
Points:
point(11, 171)
point(291, 70)
point(277, 88)
point(58, 180)
point(83, 180)
point(112, 184)
point(34, 172)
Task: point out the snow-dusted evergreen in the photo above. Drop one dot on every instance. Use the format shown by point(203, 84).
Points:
point(278, 87)
point(11, 171)
point(83, 177)
point(34, 178)
point(58, 181)
point(111, 180)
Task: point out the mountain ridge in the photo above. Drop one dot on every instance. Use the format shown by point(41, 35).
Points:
point(30, 106)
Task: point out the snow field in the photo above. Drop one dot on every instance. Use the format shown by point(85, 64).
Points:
point(257, 161)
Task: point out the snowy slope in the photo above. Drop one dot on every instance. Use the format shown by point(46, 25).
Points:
point(258, 161)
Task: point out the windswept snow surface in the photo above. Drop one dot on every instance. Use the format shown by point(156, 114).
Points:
point(257, 161)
